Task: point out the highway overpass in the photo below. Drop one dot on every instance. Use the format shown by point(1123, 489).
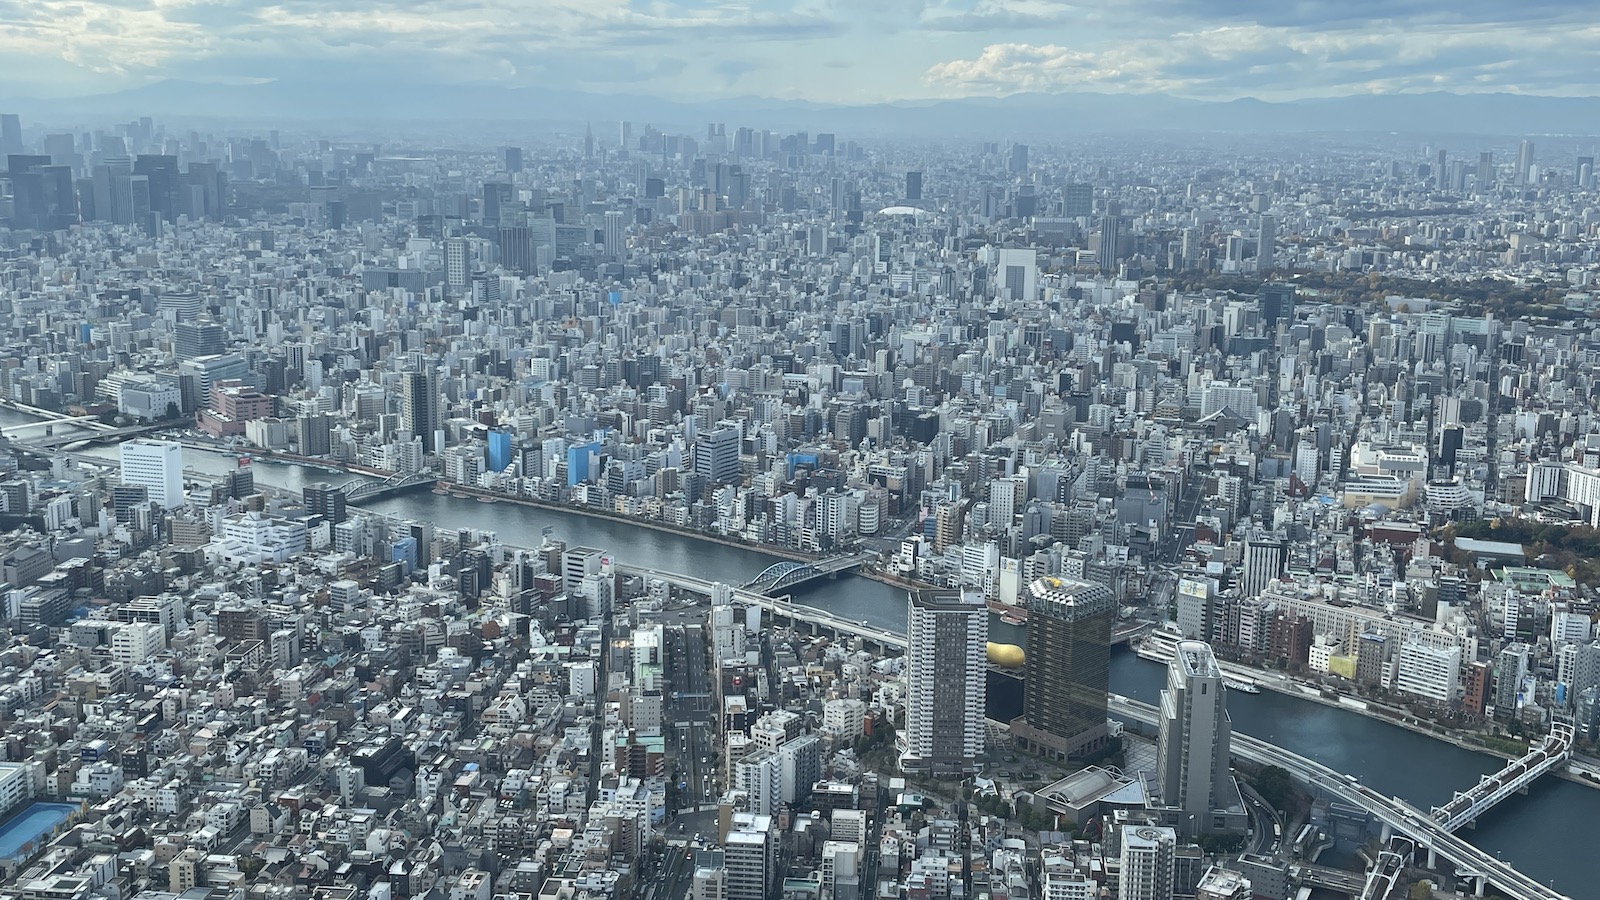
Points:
point(1396, 815)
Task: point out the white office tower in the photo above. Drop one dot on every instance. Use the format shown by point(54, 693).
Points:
point(156, 466)
point(750, 855)
point(1264, 561)
point(782, 766)
point(945, 682)
point(456, 264)
point(1428, 671)
point(727, 630)
point(1195, 732)
point(850, 825)
point(615, 229)
point(1017, 274)
point(1148, 854)
point(840, 874)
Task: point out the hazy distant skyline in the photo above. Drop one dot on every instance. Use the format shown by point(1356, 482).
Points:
point(826, 51)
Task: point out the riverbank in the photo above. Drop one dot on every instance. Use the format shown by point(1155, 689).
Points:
point(333, 465)
point(1279, 683)
point(881, 577)
point(498, 497)
point(311, 462)
point(39, 413)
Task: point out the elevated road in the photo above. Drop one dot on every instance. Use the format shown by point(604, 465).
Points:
point(1331, 879)
point(1395, 814)
point(48, 425)
point(778, 607)
point(1383, 879)
point(50, 417)
point(46, 443)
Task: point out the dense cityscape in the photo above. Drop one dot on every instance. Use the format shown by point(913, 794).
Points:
point(1266, 420)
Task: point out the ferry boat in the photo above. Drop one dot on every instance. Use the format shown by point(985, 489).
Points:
point(1159, 644)
point(1009, 613)
point(1240, 685)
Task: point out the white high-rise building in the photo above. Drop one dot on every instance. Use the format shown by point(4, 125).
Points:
point(1568, 627)
point(1428, 671)
point(1195, 735)
point(615, 228)
point(1017, 273)
point(946, 682)
point(456, 264)
point(16, 785)
point(1263, 563)
point(136, 643)
point(1307, 461)
point(1148, 856)
point(710, 876)
point(840, 872)
point(157, 466)
point(750, 853)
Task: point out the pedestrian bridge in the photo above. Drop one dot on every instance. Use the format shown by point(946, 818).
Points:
point(1465, 808)
point(781, 576)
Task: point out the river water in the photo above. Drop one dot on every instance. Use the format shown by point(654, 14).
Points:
point(1548, 833)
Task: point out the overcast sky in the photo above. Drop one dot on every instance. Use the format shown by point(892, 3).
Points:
point(829, 51)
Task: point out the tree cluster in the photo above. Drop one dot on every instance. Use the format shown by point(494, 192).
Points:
point(1276, 787)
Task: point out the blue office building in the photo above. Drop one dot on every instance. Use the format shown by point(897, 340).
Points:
point(582, 463)
point(807, 461)
point(404, 551)
point(499, 450)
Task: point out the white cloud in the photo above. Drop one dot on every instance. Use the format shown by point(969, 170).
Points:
point(1283, 62)
point(118, 43)
point(99, 37)
point(823, 50)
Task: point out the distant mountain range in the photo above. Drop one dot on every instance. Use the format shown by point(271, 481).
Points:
point(1018, 116)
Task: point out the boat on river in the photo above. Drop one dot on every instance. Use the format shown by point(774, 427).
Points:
point(1240, 685)
point(1159, 644)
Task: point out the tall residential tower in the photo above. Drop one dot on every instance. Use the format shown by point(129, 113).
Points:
point(419, 407)
point(1192, 762)
point(946, 680)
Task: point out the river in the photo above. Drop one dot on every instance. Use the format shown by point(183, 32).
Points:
point(1545, 833)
